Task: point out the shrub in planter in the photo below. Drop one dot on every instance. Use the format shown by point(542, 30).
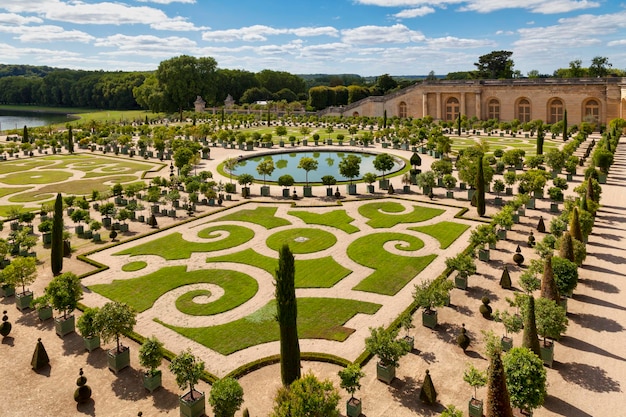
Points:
point(525, 378)
point(150, 357)
point(21, 272)
point(226, 397)
point(116, 318)
point(64, 291)
point(513, 323)
point(464, 265)
point(385, 345)
point(431, 294)
point(351, 382)
point(89, 328)
point(188, 370)
point(43, 307)
point(476, 379)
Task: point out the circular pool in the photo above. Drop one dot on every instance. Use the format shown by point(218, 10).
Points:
point(327, 164)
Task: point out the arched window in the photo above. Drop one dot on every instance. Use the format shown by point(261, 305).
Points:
point(355, 114)
point(452, 109)
point(523, 110)
point(493, 109)
point(555, 111)
point(402, 112)
point(591, 111)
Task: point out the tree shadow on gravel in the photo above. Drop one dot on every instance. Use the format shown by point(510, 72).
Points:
point(88, 407)
point(164, 399)
point(128, 385)
point(466, 311)
point(599, 285)
point(428, 357)
point(591, 378)
point(583, 298)
point(607, 257)
point(563, 408)
point(407, 392)
point(578, 344)
point(31, 319)
point(591, 321)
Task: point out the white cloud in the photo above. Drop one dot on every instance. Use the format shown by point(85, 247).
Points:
point(368, 35)
point(260, 33)
point(49, 33)
point(146, 45)
point(167, 1)
point(617, 43)
point(102, 13)
point(487, 6)
point(453, 42)
point(16, 19)
point(416, 12)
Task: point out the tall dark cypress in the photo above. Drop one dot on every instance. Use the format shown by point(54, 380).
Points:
point(287, 314)
point(458, 125)
point(565, 125)
point(540, 137)
point(530, 339)
point(480, 187)
point(25, 135)
point(498, 399)
point(56, 255)
point(70, 140)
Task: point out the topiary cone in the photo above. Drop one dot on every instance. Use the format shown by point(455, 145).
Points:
point(541, 226)
point(83, 392)
point(40, 356)
point(390, 190)
point(5, 327)
point(505, 279)
point(428, 394)
point(530, 339)
point(463, 339)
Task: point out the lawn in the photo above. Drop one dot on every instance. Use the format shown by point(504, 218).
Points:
point(379, 216)
point(263, 216)
point(392, 272)
point(141, 293)
point(302, 240)
point(134, 266)
point(445, 232)
point(20, 166)
point(338, 219)
point(310, 273)
point(40, 176)
point(318, 318)
point(173, 246)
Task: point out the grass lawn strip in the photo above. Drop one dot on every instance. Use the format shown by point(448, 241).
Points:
point(338, 219)
point(445, 232)
point(318, 318)
point(263, 216)
point(310, 273)
point(41, 176)
point(376, 212)
point(19, 166)
point(141, 293)
point(392, 272)
point(173, 246)
point(302, 240)
point(13, 190)
point(80, 187)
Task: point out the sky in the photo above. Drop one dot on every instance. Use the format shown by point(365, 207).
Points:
point(364, 37)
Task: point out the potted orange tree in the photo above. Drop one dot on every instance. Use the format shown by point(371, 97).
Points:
point(150, 357)
point(389, 349)
point(351, 382)
point(116, 318)
point(89, 328)
point(64, 291)
point(475, 379)
point(188, 369)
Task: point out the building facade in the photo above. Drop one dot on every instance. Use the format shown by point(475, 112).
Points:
point(596, 100)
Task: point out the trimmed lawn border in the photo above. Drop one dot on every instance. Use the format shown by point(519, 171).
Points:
point(445, 232)
point(338, 219)
point(314, 240)
point(377, 213)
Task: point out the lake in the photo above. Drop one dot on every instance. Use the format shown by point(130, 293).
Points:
point(17, 119)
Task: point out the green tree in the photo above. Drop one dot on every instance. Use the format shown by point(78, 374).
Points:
point(551, 319)
point(64, 292)
point(21, 271)
point(565, 273)
point(56, 246)
point(525, 378)
point(287, 314)
point(181, 79)
point(307, 397)
point(151, 355)
point(307, 164)
point(498, 399)
point(349, 166)
point(599, 66)
point(116, 318)
point(383, 162)
point(574, 226)
point(187, 369)
point(549, 289)
point(265, 167)
point(226, 397)
point(496, 64)
point(530, 339)
point(351, 378)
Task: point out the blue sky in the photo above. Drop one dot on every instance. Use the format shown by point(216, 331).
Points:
point(365, 37)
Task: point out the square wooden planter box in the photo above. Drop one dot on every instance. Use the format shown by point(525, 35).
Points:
point(475, 408)
point(63, 326)
point(547, 353)
point(353, 407)
point(91, 343)
point(192, 408)
point(152, 382)
point(483, 255)
point(7, 290)
point(429, 318)
point(23, 300)
point(385, 373)
point(44, 313)
point(506, 343)
point(118, 360)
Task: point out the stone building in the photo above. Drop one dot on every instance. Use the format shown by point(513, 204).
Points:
point(597, 100)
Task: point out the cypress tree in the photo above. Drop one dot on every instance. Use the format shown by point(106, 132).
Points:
point(530, 339)
point(480, 187)
point(385, 119)
point(565, 125)
point(287, 313)
point(566, 250)
point(70, 140)
point(458, 125)
point(590, 192)
point(583, 203)
point(56, 255)
point(540, 137)
point(548, 284)
point(574, 225)
point(498, 399)
point(25, 135)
